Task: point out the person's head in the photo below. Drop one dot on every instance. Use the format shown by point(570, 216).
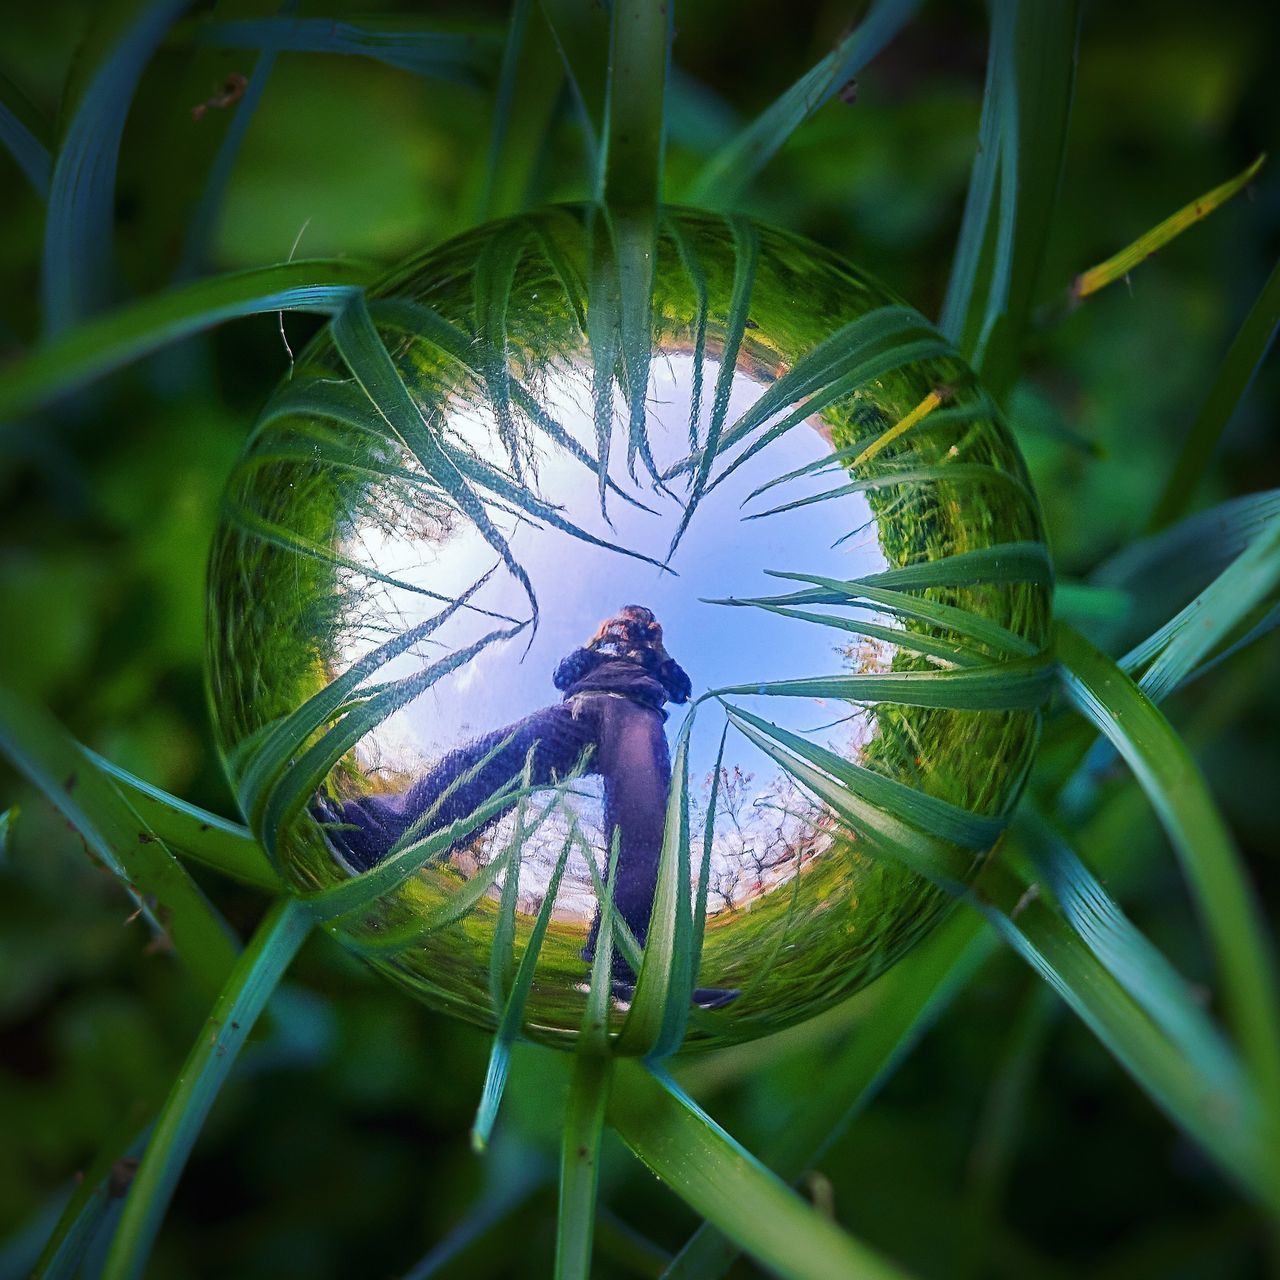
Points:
point(632, 628)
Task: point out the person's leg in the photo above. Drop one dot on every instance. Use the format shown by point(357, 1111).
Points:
point(636, 767)
point(553, 740)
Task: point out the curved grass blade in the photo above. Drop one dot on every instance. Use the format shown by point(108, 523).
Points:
point(729, 172)
point(24, 137)
point(913, 995)
point(495, 271)
point(859, 375)
point(957, 472)
point(859, 350)
point(118, 338)
point(1175, 787)
point(513, 1174)
point(277, 535)
point(1000, 562)
point(841, 459)
point(1013, 186)
point(504, 92)
point(463, 57)
point(639, 55)
point(704, 867)
point(347, 404)
point(659, 1009)
point(729, 1187)
point(1230, 386)
point(583, 35)
point(1120, 264)
point(302, 778)
point(255, 976)
point(693, 268)
point(198, 237)
point(1018, 683)
point(928, 813)
point(588, 1093)
point(426, 325)
point(452, 909)
point(502, 950)
point(860, 593)
point(281, 740)
point(580, 1164)
point(208, 839)
point(93, 1204)
point(361, 891)
point(1137, 965)
point(41, 751)
point(947, 651)
point(746, 251)
point(76, 265)
point(362, 348)
point(620, 935)
point(634, 234)
point(513, 1011)
point(1032, 156)
point(957, 319)
point(1181, 644)
point(1225, 1125)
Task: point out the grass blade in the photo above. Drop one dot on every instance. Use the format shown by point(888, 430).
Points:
point(25, 138)
point(1230, 386)
point(1138, 966)
point(1004, 686)
point(660, 1007)
point(1225, 1124)
point(729, 172)
point(860, 593)
point(746, 251)
point(193, 832)
point(172, 903)
point(1183, 642)
point(89, 1210)
point(912, 996)
point(928, 813)
point(1176, 789)
point(729, 1187)
point(116, 339)
point(365, 354)
point(255, 976)
point(583, 35)
point(513, 1011)
point(76, 268)
point(640, 47)
point(198, 237)
point(463, 57)
point(529, 89)
point(1120, 264)
point(580, 1164)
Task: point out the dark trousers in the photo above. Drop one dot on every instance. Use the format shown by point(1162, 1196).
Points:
point(627, 749)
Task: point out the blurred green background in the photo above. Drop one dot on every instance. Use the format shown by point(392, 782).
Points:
point(1009, 1144)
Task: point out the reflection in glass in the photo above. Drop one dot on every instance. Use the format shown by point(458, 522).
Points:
point(407, 658)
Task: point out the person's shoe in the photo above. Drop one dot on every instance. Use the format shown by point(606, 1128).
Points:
point(714, 997)
point(624, 991)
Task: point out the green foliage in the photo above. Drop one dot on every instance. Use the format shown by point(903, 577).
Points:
point(1189, 601)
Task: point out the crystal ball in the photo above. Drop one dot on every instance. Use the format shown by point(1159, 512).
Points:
point(564, 580)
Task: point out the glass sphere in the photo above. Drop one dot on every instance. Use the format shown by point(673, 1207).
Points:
point(512, 576)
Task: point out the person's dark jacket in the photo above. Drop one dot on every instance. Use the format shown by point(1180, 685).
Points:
point(646, 677)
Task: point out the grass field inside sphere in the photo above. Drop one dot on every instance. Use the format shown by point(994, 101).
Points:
point(467, 477)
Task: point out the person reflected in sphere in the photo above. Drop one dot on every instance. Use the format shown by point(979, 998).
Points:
point(608, 723)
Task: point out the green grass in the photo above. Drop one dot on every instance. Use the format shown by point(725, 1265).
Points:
point(1179, 608)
